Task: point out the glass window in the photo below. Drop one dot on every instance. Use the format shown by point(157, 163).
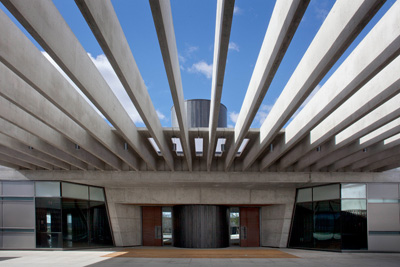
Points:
point(96, 193)
point(18, 189)
point(327, 234)
point(302, 227)
point(167, 225)
point(354, 224)
point(234, 226)
point(47, 189)
point(304, 195)
point(48, 223)
point(75, 191)
point(354, 191)
point(326, 192)
point(99, 227)
point(354, 204)
point(75, 225)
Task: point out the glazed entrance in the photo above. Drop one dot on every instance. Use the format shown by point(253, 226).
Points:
point(201, 226)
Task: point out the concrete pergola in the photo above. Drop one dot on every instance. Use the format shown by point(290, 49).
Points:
point(352, 124)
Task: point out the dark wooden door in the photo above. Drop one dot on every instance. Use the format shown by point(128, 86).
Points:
point(152, 226)
point(249, 227)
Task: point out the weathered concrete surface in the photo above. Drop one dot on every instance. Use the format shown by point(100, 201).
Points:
point(162, 17)
point(275, 224)
point(25, 97)
point(126, 222)
point(20, 55)
point(29, 139)
point(341, 26)
point(285, 18)
point(221, 44)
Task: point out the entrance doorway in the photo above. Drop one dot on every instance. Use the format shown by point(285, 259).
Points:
point(152, 226)
point(249, 227)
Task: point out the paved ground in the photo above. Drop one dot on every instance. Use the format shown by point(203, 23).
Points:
point(94, 257)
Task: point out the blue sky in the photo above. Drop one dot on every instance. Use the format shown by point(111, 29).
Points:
point(194, 23)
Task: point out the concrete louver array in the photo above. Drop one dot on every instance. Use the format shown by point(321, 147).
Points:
point(351, 124)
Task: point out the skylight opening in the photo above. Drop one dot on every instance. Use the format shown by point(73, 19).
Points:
point(219, 150)
point(155, 146)
point(242, 147)
point(177, 146)
point(198, 142)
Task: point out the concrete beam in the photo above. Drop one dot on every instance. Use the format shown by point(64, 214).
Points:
point(31, 140)
point(387, 153)
point(162, 16)
point(285, 18)
point(9, 165)
point(382, 115)
point(26, 158)
point(104, 23)
point(393, 166)
point(342, 25)
point(14, 161)
point(21, 56)
point(13, 144)
point(379, 89)
point(17, 91)
point(391, 161)
point(373, 145)
point(22, 119)
point(223, 26)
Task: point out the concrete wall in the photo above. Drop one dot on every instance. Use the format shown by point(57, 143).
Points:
point(125, 212)
point(275, 225)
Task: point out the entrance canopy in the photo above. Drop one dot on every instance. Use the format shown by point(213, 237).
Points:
point(350, 123)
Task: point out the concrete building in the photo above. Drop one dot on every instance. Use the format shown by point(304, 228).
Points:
point(328, 180)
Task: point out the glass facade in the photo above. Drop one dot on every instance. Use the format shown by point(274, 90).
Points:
point(53, 215)
point(331, 217)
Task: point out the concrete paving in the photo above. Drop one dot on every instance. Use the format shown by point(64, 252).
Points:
point(94, 257)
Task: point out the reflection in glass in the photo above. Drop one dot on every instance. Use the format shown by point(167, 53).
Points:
point(327, 224)
point(234, 220)
point(354, 229)
point(302, 228)
point(75, 223)
point(48, 223)
point(100, 234)
point(354, 204)
point(354, 191)
point(167, 225)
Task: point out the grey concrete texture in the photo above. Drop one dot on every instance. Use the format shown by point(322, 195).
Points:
point(95, 257)
point(283, 24)
point(339, 29)
point(162, 16)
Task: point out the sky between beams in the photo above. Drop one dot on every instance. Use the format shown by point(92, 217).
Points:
point(194, 24)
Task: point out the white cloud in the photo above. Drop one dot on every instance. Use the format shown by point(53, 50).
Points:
point(237, 10)
point(233, 46)
point(181, 58)
point(203, 68)
point(262, 114)
point(161, 115)
point(191, 49)
point(233, 116)
point(111, 78)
